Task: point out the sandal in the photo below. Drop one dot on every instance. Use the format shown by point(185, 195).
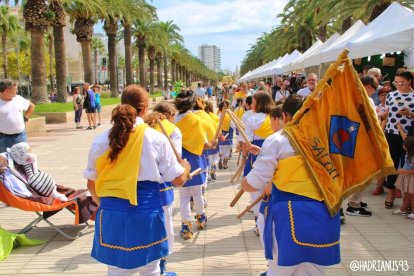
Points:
point(389, 204)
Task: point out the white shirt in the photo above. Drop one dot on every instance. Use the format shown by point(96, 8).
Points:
point(200, 92)
point(253, 122)
point(11, 115)
point(157, 163)
point(177, 139)
point(244, 118)
point(304, 92)
point(281, 94)
point(274, 148)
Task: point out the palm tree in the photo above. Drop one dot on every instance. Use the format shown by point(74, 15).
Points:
point(58, 23)
point(35, 13)
point(84, 14)
point(141, 29)
point(49, 41)
point(121, 65)
point(171, 30)
point(8, 25)
point(98, 47)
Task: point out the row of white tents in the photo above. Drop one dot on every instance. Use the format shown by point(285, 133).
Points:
point(392, 31)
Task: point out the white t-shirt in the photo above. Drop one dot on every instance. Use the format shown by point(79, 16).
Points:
point(200, 92)
point(281, 95)
point(157, 164)
point(304, 92)
point(11, 115)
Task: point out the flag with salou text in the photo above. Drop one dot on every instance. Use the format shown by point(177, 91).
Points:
point(338, 134)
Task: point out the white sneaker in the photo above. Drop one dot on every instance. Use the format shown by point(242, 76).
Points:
point(410, 216)
point(399, 212)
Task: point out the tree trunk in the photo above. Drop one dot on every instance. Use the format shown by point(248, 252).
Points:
point(128, 54)
point(141, 59)
point(87, 60)
point(346, 24)
point(60, 63)
point(159, 74)
point(151, 74)
point(173, 78)
point(95, 61)
point(4, 51)
point(165, 72)
point(177, 71)
point(39, 87)
point(51, 78)
point(112, 64)
point(322, 33)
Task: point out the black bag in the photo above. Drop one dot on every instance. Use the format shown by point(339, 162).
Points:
point(87, 102)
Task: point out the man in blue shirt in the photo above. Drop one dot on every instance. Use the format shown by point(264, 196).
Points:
point(89, 105)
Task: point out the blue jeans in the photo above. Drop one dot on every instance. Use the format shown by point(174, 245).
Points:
point(7, 141)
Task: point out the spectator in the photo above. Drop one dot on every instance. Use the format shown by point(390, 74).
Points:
point(89, 105)
point(253, 88)
point(97, 89)
point(77, 106)
point(209, 91)
point(200, 91)
point(376, 73)
point(400, 104)
point(283, 93)
point(276, 87)
point(12, 123)
point(311, 81)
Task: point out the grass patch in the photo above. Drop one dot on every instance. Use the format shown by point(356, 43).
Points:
point(67, 107)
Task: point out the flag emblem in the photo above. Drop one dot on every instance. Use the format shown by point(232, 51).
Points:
point(342, 136)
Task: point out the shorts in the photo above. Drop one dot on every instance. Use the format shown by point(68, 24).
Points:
point(90, 110)
point(98, 108)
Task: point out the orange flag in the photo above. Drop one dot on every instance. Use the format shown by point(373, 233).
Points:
point(337, 133)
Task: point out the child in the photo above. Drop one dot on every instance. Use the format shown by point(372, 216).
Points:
point(165, 112)
point(195, 141)
point(258, 128)
point(77, 106)
point(227, 132)
point(213, 156)
point(405, 180)
point(97, 89)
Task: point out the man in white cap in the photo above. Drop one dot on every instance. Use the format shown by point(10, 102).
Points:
point(311, 81)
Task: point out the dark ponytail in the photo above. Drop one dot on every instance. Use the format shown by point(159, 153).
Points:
point(123, 120)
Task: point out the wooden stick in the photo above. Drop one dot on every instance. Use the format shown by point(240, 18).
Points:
point(238, 158)
point(241, 131)
point(226, 136)
point(238, 120)
point(177, 155)
point(238, 173)
point(236, 198)
point(219, 125)
point(196, 172)
point(251, 205)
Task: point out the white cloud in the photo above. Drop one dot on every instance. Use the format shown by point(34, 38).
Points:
point(233, 25)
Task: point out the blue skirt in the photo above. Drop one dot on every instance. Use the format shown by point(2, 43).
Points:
point(304, 230)
point(265, 205)
point(129, 236)
point(211, 151)
point(251, 158)
point(195, 162)
point(229, 139)
point(166, 193)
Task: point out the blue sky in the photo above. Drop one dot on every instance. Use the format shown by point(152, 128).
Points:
point(233, 25)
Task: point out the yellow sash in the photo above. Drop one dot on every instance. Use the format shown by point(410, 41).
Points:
point(208, 121)
point(215, 118)
point(225, 126)
point(292, 176)
point(239, 112)
point(265, 129)
point(119, 179)
point(239, 95)
point(168, 126)
point(194, 134)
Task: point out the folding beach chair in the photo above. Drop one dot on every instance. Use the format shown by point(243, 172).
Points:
point(45, 211)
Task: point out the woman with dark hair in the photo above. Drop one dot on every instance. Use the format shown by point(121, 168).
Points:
point(400, 105)
point(195, 141)
point(126, 165)
point(258, 128)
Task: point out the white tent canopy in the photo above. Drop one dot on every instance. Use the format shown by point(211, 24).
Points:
point(277, 68)
point(296, 65)
point(288, 67)
point(266, 70)
point(315, 57)
point(391, 31)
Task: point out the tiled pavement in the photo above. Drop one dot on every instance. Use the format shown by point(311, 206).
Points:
point(227, 247)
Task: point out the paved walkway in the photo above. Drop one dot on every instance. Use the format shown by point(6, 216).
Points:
point(227, 247)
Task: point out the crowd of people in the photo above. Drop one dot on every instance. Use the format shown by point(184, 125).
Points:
point(133, 167)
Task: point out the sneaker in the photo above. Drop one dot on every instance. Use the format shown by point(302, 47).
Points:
point(186, 230)
point(88, 128)
point(361, 212)
point(263, 273)
point(213, 176)
point(363, 204)
point(225, 166)
point(399, 212)
point(163, 263)
point(98, 124)
point(220, 164)
point(377, 191)
point(342, 215)
point(410, 216)
point(201, 221)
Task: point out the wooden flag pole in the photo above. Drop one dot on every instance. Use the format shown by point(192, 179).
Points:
point(251, 205)
point(177, 155)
